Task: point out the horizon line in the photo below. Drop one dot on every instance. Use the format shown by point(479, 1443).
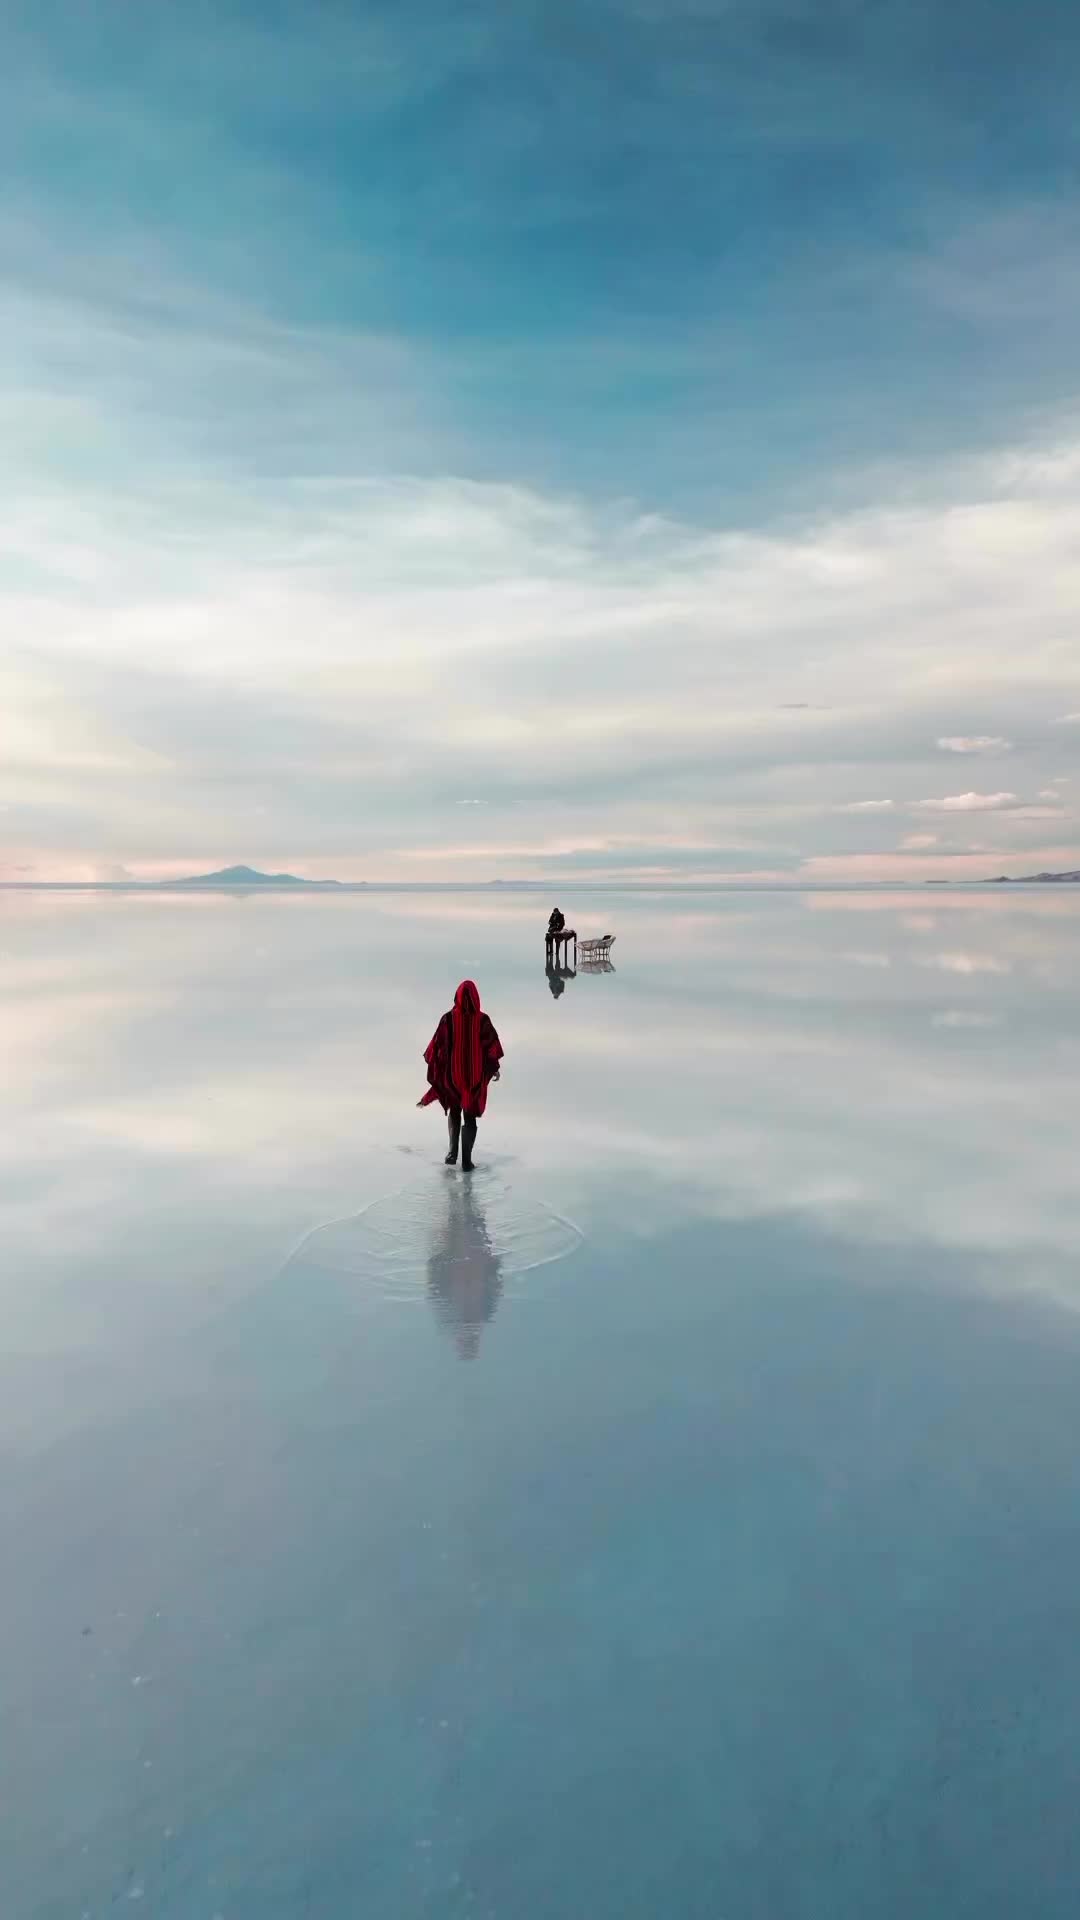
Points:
point(333, 887)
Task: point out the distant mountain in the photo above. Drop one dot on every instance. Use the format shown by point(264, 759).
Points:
point(1039, 879)
point(247, 877)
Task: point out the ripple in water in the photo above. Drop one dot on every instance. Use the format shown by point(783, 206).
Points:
point(464, 1244)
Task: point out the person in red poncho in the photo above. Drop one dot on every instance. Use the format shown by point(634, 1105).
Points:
point(462, 1058)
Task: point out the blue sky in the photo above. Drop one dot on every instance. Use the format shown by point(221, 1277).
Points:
point(638, 438)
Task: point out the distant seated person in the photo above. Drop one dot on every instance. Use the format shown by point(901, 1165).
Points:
point(555, 924)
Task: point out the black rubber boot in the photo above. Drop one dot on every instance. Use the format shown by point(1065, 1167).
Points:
point(453, 1127)
point(468, 1142)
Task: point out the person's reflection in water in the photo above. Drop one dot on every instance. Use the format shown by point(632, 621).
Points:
point(464, 1277)
point(557, 978)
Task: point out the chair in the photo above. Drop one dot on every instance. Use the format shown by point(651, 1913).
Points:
point(598, 949)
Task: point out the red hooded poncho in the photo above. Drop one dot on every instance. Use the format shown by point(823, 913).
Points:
point(463, 1054)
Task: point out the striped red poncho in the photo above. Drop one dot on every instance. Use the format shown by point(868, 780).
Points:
point(463, 1054)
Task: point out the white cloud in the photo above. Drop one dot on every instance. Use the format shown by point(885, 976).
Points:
point(907, 868)
point(965, 963)
point(918, 842)
point(1068, 720)
point(238, 626)
point(966, 803)
point(960, 1018)
point(974, 743)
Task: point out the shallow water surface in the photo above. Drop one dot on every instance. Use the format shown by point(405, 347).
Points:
point(677, 1517)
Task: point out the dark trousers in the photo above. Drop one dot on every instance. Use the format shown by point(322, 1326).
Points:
point(466, 1134)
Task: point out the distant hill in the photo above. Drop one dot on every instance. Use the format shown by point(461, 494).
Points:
point(1039, 879)
point(247, 877)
